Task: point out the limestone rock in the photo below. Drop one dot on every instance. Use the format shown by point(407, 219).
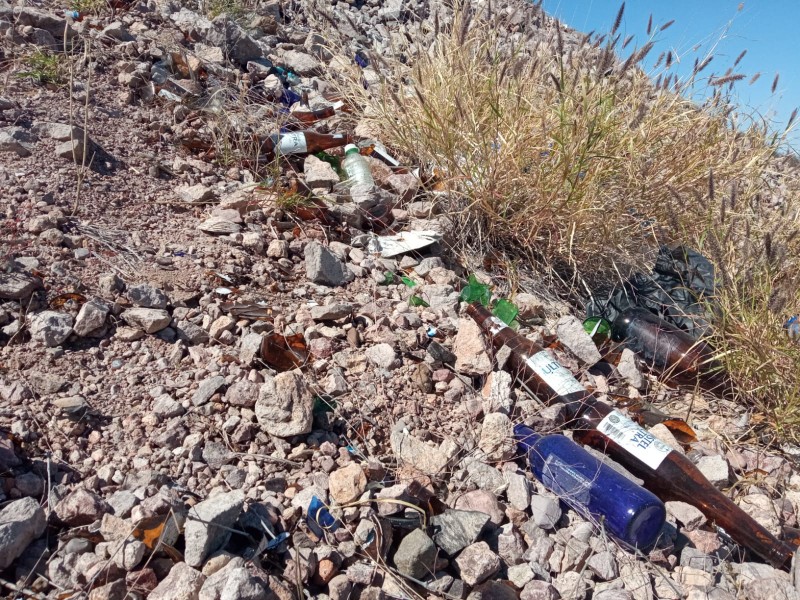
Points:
point(208, 523)
point(21, 522)
point(324, 267)
point(471, 349)
point(50, 327)
point(285, 405)
point(347, 484)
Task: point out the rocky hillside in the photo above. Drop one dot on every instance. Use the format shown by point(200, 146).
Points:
point(195, 356)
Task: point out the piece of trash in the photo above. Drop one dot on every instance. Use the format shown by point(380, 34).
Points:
point(408, 241)
point(379, 151)
point(417, 301)
point(408, 281)
point(286, 76)
point(166, 94)
point(319, 518)
point(223, 291)
point(71, 300)
point(506, 311)
point(475, 291)
point(792, 327)
point(361, 59)
point(323, 405)
point(251, 311)
point(356, 168)
point(278, 540)
point(598, 328)
point(431, 331)
point(680, 290)
point(284, 353)
point(289, 97)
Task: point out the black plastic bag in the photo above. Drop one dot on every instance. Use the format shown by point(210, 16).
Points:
point(679, 290)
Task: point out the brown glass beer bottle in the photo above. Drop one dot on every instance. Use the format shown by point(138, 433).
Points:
point(667, 473)
point(312, 115)
point(666, 348)
point(302, 142)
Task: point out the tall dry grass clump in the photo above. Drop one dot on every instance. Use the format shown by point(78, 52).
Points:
point(563, 156)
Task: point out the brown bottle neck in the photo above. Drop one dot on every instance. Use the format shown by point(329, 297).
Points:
point(539, 372)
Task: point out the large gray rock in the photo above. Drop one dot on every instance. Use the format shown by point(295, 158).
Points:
point(40, 19)
point(182, 583)
point(471, 349)
point(150, 320)
point(413, 451)
point(243, 393)
point(497, 437)
point(546, 511)
point(571, 333)
point(716, 469)
point(81, 507)
point(416, 555)
point(331, 312)
point(50, 327)
point(285, 405)
point(208, 525)
point(454, 530)
point(91, 318)
point(145, 295)
point(21, 522)
point(15, 286)
point(191, 333)
point(238, 46)
point(382, 355)
point(233, 582)
point(73, 150)
point(301, 63)
point(477, 563)
point(318, 173)
point(17, 141)
point(324, 267)
point(207, 389)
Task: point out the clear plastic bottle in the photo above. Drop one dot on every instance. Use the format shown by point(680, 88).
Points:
point(597, 492)
point(356, 167)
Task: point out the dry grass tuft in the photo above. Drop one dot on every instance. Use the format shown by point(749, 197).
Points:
point(578, 166)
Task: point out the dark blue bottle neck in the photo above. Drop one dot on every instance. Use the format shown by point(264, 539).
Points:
point(525, 437)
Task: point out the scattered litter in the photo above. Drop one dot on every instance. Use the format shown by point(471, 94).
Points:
point(284, 353)
point(68, 301)
point(379, 151)
point(388, 246)
point(506, 311)
point(319, 518)
point(361, 59)
point(792, 327)
point(475, 291)
point(678, 290)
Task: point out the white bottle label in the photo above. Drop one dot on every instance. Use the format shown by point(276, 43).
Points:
point(566, 482)
point(291, 143)
point(496, 325)
point(633, 438)
point(553, 374)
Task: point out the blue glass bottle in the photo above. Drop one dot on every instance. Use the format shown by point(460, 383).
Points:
point(627, 511)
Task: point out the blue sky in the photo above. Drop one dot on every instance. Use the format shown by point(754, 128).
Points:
point(767, 29)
